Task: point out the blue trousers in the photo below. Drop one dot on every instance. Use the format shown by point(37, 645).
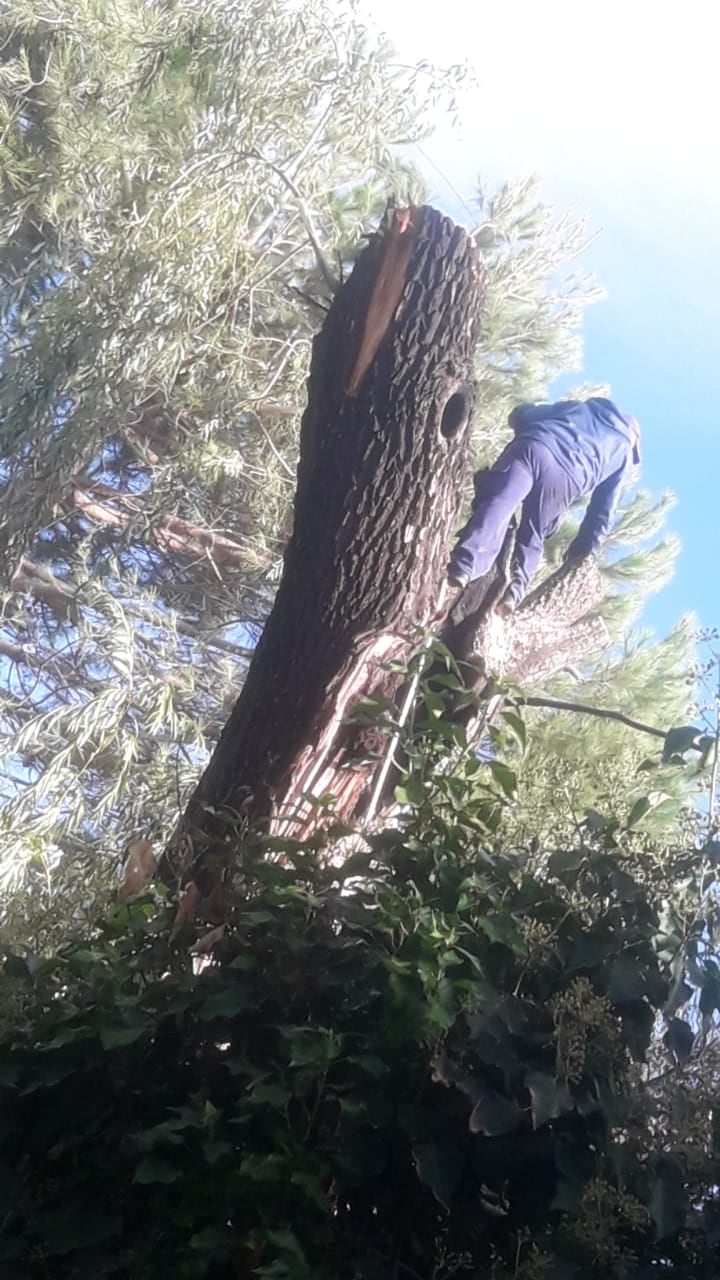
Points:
point(528, 474)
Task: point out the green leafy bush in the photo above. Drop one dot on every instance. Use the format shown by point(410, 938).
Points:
point(426, 1062)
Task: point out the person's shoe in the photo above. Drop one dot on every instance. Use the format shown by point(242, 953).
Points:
point(459, 580)
point(505, 609)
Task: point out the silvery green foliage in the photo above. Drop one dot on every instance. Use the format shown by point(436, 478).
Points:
point(182, 185)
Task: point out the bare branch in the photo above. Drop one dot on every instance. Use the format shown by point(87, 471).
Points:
point(604, 713)
point(331, 280)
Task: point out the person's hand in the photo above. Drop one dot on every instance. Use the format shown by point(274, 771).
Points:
point(505, 609)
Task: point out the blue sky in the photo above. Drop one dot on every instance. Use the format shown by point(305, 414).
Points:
point(616, 109)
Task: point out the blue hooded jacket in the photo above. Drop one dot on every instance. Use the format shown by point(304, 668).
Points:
point(594, 444)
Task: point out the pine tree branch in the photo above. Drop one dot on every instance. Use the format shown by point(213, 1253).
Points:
point(558, 704)
point(171, 532)
point(289, 471)
point(330, 279)
point(204, 635)
point(267, 409)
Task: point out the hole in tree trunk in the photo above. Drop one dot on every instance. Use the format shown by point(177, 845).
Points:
point(454, 415)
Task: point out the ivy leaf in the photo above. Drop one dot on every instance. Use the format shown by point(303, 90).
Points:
point(711, 851)
point(679, 1039)
point(311, 1046)
point(641, 806)
point(566, 860)
point(550, 1097)
point(710, 995)
point(646, 804)
point(9, 1074)
point(211, 1240)
point(668, 1201)
point(517, 726)
point(287, 1242)
point(266, 1093)
point(439, 1166)
point(626, 980)
point(561, 1269)
point(638, 1020)
point(648, 765)
point(567, 1196)
point(66, 1035)
point(415, 790)
point(215, 1148)
point(449, 681)
point(595, 821)
point(680, 993)
point(369, 1063)
point(502, 929)
point(48, 1076)
point(117, 1037)
point(155, 1169)
point(494, 1115)
point(62, 1231)
point(16, 967)
point(435, 704)
point(678, 741)
point(225, 1003)
point(505, 778)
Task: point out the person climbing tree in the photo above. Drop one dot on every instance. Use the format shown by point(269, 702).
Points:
point(561, 453)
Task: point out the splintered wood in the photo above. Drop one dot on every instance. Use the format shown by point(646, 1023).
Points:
point(387, 291)
point(553, 629)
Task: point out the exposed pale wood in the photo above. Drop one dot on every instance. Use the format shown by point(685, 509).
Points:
point(555, 627)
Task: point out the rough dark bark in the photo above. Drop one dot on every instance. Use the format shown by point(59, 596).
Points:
point(383, 457)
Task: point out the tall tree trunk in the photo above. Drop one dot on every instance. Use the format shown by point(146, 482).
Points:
point(383, 458)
